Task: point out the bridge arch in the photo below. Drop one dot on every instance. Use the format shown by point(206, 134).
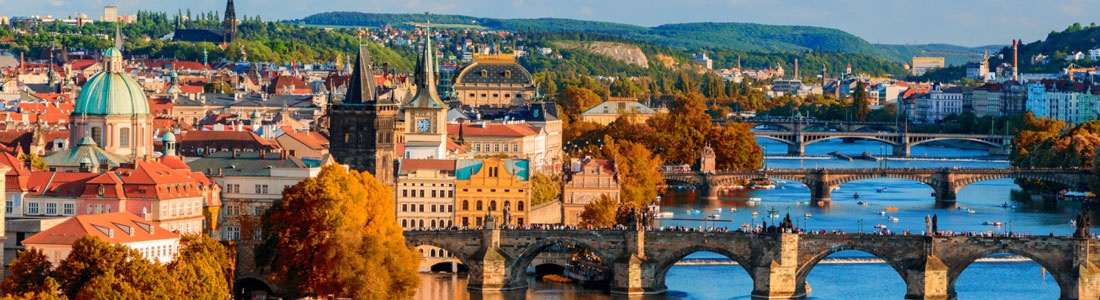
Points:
point(455, 250)
point(811, 140)
point(774, 138)
point(247, 287)
point(1061, 274)
point(914, 142)
point(1056, 178)
point(895, 263)
point(524, 258)
point(446, 267)
point(665, 262)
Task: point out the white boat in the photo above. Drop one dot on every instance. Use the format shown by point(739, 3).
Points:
point(665, 215)
point(733, 209)
point(754, 214)
point(718, 210)
point(882, 212)
point(754, 199)
point(714, 217)
point(894, 219)
point(971, 211)
point(809, 214)
point(694, 211)
point(880, 226)
point(862, 203)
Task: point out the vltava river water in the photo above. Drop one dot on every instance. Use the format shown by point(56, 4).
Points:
point(983, 280)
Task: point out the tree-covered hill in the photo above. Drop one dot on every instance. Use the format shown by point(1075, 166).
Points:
point(736, 36)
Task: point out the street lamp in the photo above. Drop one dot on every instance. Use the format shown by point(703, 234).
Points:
point(860, 226)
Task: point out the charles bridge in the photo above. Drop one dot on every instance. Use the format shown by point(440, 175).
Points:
point(945, 182)
point(778, 263)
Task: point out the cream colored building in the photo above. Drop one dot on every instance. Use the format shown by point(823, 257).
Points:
point(610, 110)
point(494, 81)
point(515, 140)
point(586, 181)
point(425, 195)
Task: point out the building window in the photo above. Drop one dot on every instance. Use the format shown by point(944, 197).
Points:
point(519, 206)
point(496, 147)
point(232, 233)
point(404, 207)
point(422, 208)
point(9, 207)
point(51, 208)
point(404, 193)
point(233, 210)
point(433, 194)
point(124, 137)
point(465, 204)
point(478, 208)
point(257, 234)
point(515, 147)
point(97, 136)
point(258, 210)
point(68, 209)
point(477, 147)
point(32, 208)
point(493, 205)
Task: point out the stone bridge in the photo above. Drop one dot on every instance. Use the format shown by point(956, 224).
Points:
point(945, 182)
point(901, 142)
point(792, 124)
point(778, 263)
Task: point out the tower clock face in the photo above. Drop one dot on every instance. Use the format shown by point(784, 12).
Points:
point(423, 125)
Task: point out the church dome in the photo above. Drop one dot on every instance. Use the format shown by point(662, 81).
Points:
point(169, 137)
point(111, 92)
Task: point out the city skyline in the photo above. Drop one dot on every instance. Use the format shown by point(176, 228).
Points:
point(967, 23)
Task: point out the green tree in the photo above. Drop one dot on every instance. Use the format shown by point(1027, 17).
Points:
point(30, 271)
point(544, 188)
point(336, 234)
point(860, 105)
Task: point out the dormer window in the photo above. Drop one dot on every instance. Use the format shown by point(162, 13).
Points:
point(508, 73)
point(484, 73)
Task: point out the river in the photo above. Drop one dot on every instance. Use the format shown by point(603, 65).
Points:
point(998, 279)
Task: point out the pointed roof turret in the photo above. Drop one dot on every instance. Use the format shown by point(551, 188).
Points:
point(362, 89)
point(426, 94)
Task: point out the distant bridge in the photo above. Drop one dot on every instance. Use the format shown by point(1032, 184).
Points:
point(901, 142)
point(798, 134)
point(777, 263)
point(946, 182)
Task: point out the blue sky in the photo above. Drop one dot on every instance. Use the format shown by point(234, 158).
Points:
point(966, 22)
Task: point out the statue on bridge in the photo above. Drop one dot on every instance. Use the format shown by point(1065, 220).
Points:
point(507, 216)
point(935, 225)
point(927, 225)
point(1083, 221)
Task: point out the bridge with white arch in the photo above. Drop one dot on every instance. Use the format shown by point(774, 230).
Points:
point(946, 182)
point(901, 142)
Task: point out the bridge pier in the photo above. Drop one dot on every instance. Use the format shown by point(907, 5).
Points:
point(901, 150)
point(488, 267)
point(929, 282)
point(775, 269)
point(634, 273)
point(820, 190)
point(796, 149)
point(707, 191)
point(946, 189)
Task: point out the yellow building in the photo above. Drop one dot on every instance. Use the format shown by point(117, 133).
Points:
point(610, 110)
point(489, 187)
point(495, 81)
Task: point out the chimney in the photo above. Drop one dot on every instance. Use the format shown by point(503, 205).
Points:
point(1015, 59)
point(282, 154)
point(796, 69)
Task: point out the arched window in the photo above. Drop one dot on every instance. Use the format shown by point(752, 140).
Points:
point(493, 205)
point(431, 253)
point(519, 205)
point(421, 224)
point(433, 223)
point(465, 205)
point(124, 137)
point(404, 223)
point(479, 205)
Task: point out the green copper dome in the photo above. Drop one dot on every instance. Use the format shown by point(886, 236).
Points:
point(112, 52)
point(111, 94)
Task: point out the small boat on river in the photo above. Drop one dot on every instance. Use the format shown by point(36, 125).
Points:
point(862, 203)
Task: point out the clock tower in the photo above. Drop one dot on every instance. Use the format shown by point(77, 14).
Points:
point(426, 115)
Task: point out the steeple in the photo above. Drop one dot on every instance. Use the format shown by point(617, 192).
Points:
point(426, 94)
point(230, 23)
point(362, 89)
point(118, 37)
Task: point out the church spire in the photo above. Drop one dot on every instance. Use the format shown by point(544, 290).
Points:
point(426, 94)
point(230, 23)
point(362, 88)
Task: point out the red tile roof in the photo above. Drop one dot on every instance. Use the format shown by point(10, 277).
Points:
point(445, 165)
point(196, 139)
point(288, 85)
point(116, 228)
point(489, 129)
point(313, 140)
point(18, 177)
